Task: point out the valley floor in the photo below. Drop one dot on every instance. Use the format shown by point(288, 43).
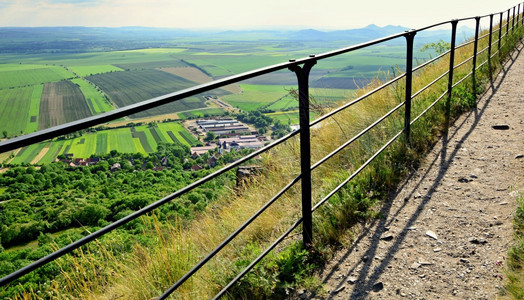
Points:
point(445, 232)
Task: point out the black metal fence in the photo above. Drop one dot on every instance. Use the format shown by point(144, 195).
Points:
point(302, 68)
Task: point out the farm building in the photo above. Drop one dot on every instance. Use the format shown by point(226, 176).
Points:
point(222, 126)
point(240, 142)
point(197, 151)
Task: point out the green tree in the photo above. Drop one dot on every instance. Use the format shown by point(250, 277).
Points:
point(439, 47)
point(210, 136)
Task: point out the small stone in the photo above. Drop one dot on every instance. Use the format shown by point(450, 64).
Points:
point(340, 289)
point(365, 258)
point(473, 176)
point(500, 127)
point(412, 228)
point(378, 286)
point(414, 265)
point(477, 241)
point(519, 156)
point(352, 279)
point(387, 237)
point(431, 234)
point(424, 263)
point(503, 203)
point(437, 249)
point(463, 260)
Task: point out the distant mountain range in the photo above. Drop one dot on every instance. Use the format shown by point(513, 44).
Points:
point(83, 39)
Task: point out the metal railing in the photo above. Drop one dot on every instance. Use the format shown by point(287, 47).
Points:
point(301, 68)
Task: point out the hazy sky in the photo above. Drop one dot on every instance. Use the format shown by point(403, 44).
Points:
point(241, 14)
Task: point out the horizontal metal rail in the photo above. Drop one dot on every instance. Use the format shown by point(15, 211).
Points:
point(429, 85)
point(431, 61)
point(357, 136)
point(462, 79)
point(353, 102)
point(354, 174)
point(258, 259)
point(293, 64)
point(230, 237)
point(463, 62)
point(429, 107)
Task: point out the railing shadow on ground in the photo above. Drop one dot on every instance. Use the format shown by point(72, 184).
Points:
point(301, 67)
point(365, 285)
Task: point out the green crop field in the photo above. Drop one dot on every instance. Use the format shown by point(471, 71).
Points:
point(62, 102)
point(255, 96)
point(37, 75)
point(125, 88)
point(15, 105)
point(175, 128)
point(95, 100)
point(90, 70)
point(27, 154)
point(218, 65)
point(152, 65)
point(143, 139)
point(101, 142)
point(84, 146)
point(290, 117)
point(121, 140)
point(54, 150)
point(201, 113)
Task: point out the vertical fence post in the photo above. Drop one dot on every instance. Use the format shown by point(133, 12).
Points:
point(513, 21)
point(518, 15)
point(475, 49)
point(410, 36)
point(490, 39)
point(500, 32)
point(451, 66)
point(507, 25)
point(305, 149)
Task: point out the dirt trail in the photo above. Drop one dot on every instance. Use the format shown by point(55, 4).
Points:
point(445, 232)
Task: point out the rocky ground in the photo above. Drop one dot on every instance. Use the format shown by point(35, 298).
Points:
point(446, 231)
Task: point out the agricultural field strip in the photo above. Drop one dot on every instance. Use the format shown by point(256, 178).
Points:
point(28, 77)
point(89, 70)
point(14, 118)
point(97, 100)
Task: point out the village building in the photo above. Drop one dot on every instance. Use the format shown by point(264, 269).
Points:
point(197, 151)
point(222, 126)
point(240, 142)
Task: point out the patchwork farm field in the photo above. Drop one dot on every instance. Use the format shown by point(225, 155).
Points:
point(39, 90)
point(19, 109)
point(143, 139)
point(62, 102)
point(255, 96)
point(125, 88)
point(95, 100)
point(27, 75)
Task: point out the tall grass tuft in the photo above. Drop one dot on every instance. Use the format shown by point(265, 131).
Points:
point(514, 287)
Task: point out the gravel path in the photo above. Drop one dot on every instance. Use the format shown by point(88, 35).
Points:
point(446, 231)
